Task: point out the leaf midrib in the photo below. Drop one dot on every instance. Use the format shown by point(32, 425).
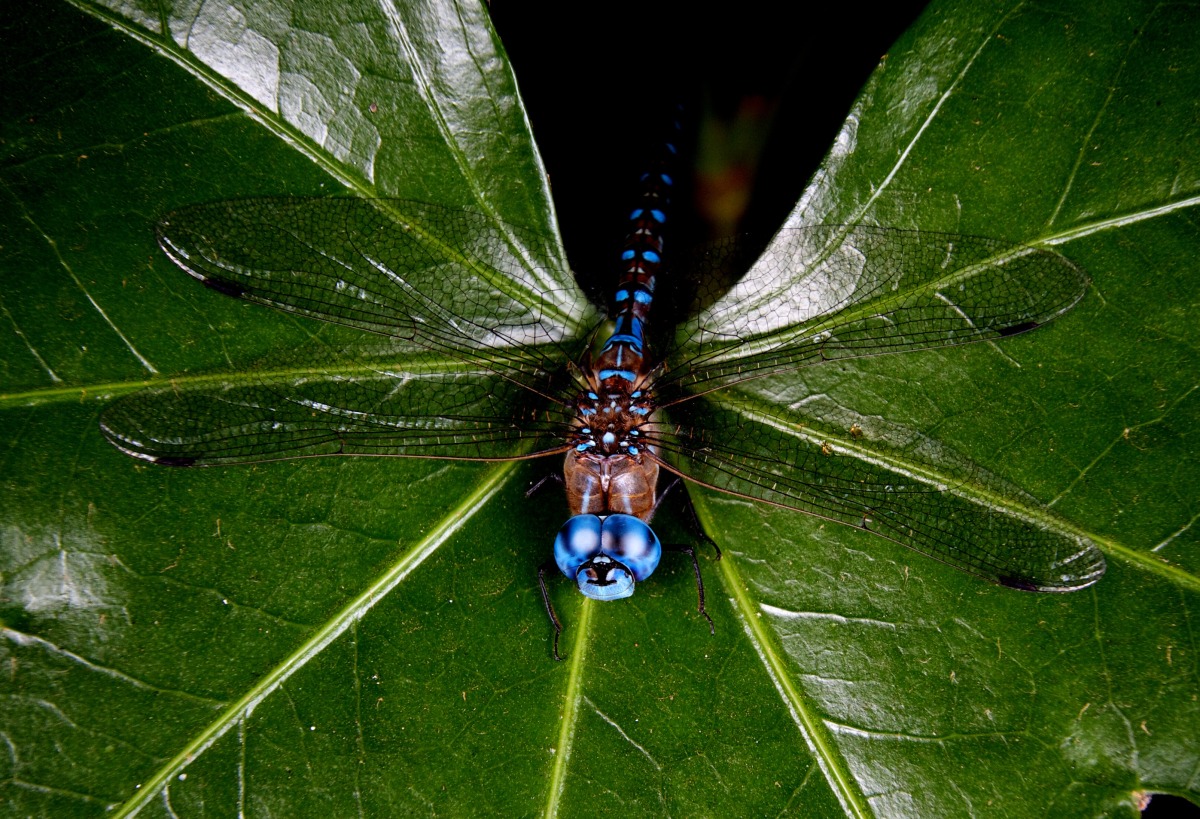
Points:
point(492, 482)
point(106, 391)
point(759, 413)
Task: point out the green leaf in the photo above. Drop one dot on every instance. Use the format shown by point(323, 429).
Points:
point(329, 636)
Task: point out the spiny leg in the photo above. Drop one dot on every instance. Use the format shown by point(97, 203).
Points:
point(693, 519)
point(550, 565)
point(541, 482)
point(698, 530)
point(690, 552)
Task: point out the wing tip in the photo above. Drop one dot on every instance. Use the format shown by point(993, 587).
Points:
point(1016, 329)
point(223, 286)
point(134, 449)
point(1083, 570)
point(171, 460)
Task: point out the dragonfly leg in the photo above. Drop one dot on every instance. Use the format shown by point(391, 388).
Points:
point(548, 566)
point(690, 552)
point(675, 481)
point(693, 519)
point(537, 487)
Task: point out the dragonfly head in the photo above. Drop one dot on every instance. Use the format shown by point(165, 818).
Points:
point(607, 556)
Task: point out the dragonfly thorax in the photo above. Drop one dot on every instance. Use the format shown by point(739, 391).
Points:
point(611, 423)
point(611, 469)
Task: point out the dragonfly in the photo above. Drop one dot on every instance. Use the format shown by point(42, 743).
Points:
point(465, 346)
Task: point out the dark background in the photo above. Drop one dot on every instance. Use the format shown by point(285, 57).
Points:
point(598, 95)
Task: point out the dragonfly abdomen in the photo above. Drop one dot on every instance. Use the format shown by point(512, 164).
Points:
point(624, 356)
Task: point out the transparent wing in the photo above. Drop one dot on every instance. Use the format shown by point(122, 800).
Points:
point(374, 411)
point(846, 291)
point(432, 278)
point(488, 306)
point(953, 523)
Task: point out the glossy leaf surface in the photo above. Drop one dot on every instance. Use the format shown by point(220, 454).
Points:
point(328, 636)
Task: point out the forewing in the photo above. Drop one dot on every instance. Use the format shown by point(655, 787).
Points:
point(846, 291)
point(435, 279)
point(961, 521)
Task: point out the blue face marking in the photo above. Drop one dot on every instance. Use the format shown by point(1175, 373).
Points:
point(627, 255)
point(604, 579)
point(593, 396)
point(637, 214)
point(651, 256)
point(606, 557)
point(633, 450)
point(659, 216)
point(622, 294)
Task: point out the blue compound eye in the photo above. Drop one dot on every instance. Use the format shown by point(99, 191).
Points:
point(577, 542)
point(631, 542)
point(607, 557)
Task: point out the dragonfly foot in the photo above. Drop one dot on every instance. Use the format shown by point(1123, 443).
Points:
point(693, 518)
point(690, 552)
point(548, 565)
point(537, 487)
